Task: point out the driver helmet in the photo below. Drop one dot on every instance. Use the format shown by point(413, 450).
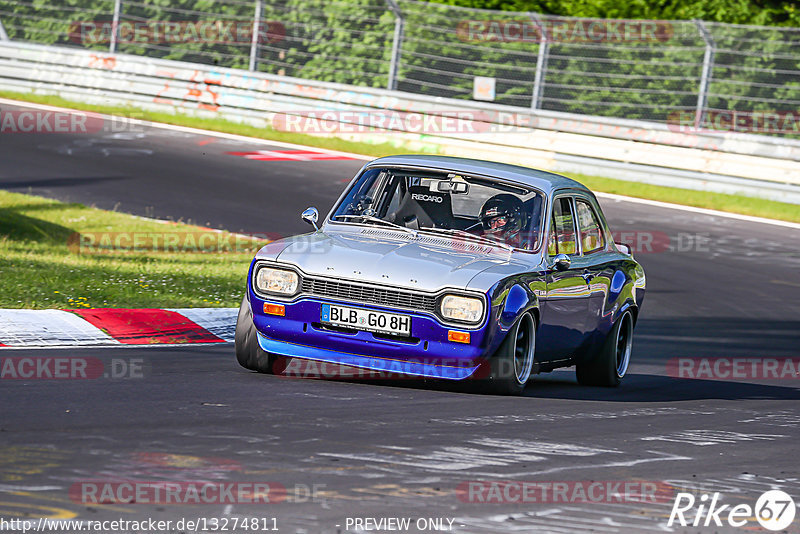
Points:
point(503, 216)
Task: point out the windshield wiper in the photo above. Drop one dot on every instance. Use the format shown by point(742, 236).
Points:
point(370, 218)
point(469, 235)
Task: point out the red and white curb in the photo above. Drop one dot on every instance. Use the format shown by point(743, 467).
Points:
point(116, 326)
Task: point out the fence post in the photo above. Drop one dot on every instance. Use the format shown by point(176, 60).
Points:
point(115, 26)
point(541, 63)
point(254, 39)
point(397, 43)
point(705, 76)
point(3, 34)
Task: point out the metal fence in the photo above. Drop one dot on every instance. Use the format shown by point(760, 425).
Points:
point(663, 71)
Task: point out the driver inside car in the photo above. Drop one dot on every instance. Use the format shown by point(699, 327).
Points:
point(503, 218)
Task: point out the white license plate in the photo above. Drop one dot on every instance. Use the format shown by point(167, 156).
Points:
point(360, 319)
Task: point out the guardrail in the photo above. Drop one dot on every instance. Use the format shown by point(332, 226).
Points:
point(632, 150)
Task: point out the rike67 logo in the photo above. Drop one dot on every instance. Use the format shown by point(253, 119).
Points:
point(774, 510)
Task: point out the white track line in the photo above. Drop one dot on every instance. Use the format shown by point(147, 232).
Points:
point(257, 140)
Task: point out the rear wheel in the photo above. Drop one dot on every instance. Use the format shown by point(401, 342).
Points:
point(248, 353)
point(608, 367)
point(511, 366)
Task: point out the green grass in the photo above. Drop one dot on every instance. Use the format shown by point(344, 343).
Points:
point(39, 268)
point(702, 199)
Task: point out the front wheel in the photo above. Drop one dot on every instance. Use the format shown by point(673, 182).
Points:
point(248, 353)
point(608, 367)
point(511, 366)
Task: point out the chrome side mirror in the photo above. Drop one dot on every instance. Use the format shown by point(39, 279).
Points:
point(311, 216)
point(561, 262)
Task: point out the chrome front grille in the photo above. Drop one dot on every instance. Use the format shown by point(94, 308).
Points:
point(379, 296)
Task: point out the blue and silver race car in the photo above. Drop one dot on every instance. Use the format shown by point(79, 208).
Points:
point(448, 268)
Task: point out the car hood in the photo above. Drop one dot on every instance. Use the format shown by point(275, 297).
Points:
point(393, 258)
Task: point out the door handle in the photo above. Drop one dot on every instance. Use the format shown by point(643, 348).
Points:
point(588, 276)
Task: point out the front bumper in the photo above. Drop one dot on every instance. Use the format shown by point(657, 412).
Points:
point(427, 353)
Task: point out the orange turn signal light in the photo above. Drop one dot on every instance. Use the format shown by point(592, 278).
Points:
point(274, 309)
point(458, 337)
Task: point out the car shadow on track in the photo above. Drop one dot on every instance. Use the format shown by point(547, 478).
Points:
point(712, 349)
point(659, 388)
point(635, 388)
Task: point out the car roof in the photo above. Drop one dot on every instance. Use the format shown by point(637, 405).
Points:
point(542, 180)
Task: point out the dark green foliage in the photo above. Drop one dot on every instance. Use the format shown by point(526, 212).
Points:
point(350, 41)
point(757, 12)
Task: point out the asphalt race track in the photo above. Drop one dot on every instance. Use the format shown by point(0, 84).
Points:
point(717, 287)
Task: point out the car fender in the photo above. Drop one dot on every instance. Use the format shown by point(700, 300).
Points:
point(512, 288)
point(625, 290)
point(509, 302)
point(631, 292)
point(517, 301)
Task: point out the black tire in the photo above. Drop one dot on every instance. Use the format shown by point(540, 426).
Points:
point(608, 367)
point(248, 353)
point(510, 368)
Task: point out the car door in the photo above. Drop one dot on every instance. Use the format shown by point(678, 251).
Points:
point(563, 313)
point(595, 259)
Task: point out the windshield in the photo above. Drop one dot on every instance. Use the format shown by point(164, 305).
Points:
point(446, 203)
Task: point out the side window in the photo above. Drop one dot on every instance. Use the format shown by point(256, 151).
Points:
point(591, 235)
point(562, 234)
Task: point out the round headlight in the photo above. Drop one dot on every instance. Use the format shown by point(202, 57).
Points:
point(276, 281)
point(464, 309)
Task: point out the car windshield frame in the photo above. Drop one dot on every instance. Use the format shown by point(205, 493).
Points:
point(442, 173)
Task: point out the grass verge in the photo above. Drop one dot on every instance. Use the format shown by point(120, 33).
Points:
point(44, 264)
point(701, 199)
